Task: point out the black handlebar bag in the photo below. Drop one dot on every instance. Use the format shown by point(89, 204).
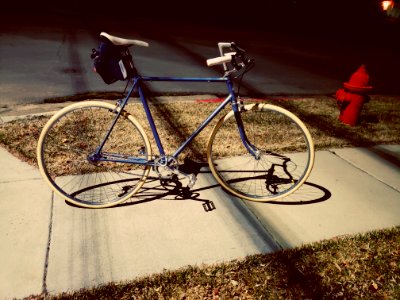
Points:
point(112, 62)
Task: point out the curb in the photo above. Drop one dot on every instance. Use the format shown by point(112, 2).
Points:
point(8, 119)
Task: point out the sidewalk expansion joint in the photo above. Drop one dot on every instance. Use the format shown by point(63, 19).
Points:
point(364, 171)
point(46, 261)
point(19, 180)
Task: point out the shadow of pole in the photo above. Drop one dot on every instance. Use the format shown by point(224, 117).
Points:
point(75, 68)
point(172, 122)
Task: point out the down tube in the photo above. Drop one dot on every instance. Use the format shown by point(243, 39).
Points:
point(202, 125)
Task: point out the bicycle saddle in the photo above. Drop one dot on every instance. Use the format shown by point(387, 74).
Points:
point(117, 41)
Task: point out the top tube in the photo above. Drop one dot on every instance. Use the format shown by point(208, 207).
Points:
point(191, 79)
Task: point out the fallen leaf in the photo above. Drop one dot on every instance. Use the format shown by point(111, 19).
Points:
point(373, 287)
point(234, 282)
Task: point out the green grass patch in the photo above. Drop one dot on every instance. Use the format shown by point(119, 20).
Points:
point(363, 266)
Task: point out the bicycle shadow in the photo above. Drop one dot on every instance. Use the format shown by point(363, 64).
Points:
point(169, 189)
point(174, 189)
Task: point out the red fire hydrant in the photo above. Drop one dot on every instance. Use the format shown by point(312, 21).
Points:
point(351, 99)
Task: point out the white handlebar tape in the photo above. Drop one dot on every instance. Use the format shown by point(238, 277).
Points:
point(220, 60)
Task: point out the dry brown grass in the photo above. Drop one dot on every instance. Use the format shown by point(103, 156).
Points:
point(379, 124)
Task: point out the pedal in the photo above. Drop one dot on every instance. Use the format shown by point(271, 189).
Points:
point(208, 206)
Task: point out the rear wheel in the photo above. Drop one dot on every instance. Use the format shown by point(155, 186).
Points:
point(65, 155)
point(284, 147)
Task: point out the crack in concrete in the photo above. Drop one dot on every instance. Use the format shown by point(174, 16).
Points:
point(46, 262)
point(19, 180)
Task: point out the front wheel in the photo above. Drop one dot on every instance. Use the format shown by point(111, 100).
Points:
point(282, 159)
point(67, 150)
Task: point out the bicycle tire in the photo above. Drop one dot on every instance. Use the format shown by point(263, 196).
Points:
point(72, 134)
point(285, 147)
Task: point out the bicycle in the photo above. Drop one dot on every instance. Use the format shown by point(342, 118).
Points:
point(96, 154)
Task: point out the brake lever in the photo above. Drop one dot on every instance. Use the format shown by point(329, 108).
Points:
point(244, 61)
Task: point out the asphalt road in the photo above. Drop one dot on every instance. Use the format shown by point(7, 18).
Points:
point(50, 58)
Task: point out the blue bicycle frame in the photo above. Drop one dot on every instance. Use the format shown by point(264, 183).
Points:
point(136, 80)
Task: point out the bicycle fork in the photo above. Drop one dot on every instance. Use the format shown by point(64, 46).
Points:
point(254, 151)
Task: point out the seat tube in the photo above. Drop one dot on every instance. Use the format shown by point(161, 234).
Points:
point(150, 120)
point(121, 108)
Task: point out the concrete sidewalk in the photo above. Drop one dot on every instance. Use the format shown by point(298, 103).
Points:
point(50, 246)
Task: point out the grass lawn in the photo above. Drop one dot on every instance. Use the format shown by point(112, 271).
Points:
point(379, 124)
point(351, 267)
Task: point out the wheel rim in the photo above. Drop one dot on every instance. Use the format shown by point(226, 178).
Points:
point(282, 167)
point(64, 156)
